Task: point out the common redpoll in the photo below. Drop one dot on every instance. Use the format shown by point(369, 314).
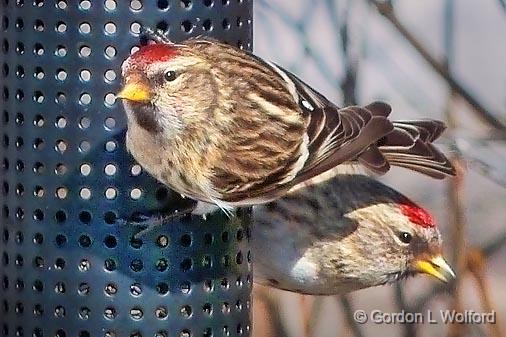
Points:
point(222, 126)
point(346, 233)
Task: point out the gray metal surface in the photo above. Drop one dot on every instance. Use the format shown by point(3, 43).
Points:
point(66, 267)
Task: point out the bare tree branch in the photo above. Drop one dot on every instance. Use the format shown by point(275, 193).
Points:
point(476, 262)
point(455, 187)
point(409, 328)
point(476, 156)
point(492, 247)
point(349, 82)
point(316, 310)
point(348, 311)
point(503, 4)
point(274, 312)
point(455, 191)
point(306, 307)
point(484, 114)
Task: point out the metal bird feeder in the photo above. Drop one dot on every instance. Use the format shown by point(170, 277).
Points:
point(67, 267)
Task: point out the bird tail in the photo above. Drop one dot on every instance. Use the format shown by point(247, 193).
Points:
point(409, 145)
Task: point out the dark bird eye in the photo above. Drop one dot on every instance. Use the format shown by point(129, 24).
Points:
point(170, 75)
point(405, 237)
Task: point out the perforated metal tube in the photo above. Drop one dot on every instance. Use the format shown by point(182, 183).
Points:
point(67, 268)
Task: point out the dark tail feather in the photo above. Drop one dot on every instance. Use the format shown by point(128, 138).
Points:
point(409, 145)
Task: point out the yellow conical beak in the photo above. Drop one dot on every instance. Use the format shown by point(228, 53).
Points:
point(435, 266)
point(135, 92)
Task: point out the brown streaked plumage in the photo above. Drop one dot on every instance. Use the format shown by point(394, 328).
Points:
point(342, 234)
point(231, 129)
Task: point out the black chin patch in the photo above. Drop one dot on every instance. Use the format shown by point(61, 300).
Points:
point(145, 117)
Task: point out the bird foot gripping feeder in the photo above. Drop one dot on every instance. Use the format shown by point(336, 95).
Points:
point(69, 267)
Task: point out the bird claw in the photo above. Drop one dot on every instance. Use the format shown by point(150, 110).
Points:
point(143, 222)
point(146, 222)
point(139, 219)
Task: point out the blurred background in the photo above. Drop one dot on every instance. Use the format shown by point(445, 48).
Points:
point(443, 59)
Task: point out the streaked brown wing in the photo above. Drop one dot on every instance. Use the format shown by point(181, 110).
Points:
point(339, 135)
point(326, 137)
point(410, 145)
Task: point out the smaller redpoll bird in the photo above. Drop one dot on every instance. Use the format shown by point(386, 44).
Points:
point(347, 233)
point(222, 126)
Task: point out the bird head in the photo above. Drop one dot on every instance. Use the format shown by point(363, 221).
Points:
point(398, 239)
point(167, 87)
point(424, 243)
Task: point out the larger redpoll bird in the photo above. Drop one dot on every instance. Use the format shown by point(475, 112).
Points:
point(222, 126)
point(343, 234)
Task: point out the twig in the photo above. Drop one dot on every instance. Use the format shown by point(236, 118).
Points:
point(274, 312)
point(503, 4)
point(423, 300)
point(349, 82)
point(492, 247)
point(306, 310)
point(409, 328)
point(456, 185)
point(470, 151)
point(457, 223)
point(350, 61)
point(316, 311)
point(334, 21)
point(305, 39)
point(476, 261)
point(484, 114)
point(348, 311)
